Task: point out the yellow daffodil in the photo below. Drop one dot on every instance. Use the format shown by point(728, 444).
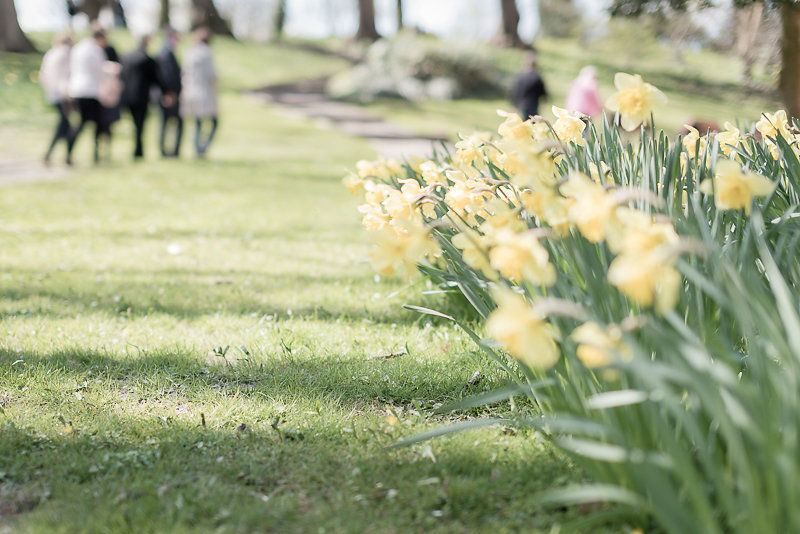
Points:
point(398, 250)
point(469, 149)
point(634, 100)
point(733, 188)
point(474, 250)
point(375, 194)
point(373, 218)
point(637, 233)
point(729, 139)
point(772, 124)
point(520, 256)
point(541, 131)
point(528, 164)
point(398, 206)
point(593, 210)
point(568, 126)
point(693, 143)
point(432, 173)
point(383, 169)
point(522, 331)
point(600, 174)
point(648, 280)
point(467, 198)
point(513, 127)
point(498, 214)
point(598, 346)
point(354, 183)
point(549, 207)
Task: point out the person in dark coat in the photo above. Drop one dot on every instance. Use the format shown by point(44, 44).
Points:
point(529, 89)
point(169, 72)
point(111, 109)
point(139, 77)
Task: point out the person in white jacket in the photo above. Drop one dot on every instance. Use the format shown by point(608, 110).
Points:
point(199, 97)
point(86, 74)
point(54, 77)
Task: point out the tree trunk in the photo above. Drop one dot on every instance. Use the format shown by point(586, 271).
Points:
point(748, 26)
point(790, 59)
point(92, 8)
point(400, 23)
point(12, 38)
point(204, 13)
point(120, 20)
point(164, 16)
point(509, 23)
point(366, 21)
point(279, 20)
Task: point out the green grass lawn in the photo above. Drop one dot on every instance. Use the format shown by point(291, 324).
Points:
point(197, 345)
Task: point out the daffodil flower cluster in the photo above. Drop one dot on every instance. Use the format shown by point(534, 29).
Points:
point(505, 203)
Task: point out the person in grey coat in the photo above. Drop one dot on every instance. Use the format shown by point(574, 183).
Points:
point(199, 97)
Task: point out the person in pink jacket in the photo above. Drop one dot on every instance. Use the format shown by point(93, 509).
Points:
point(584, 93)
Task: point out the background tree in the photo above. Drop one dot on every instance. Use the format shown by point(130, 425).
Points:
point(12, 38)
point(366, 21)
point(790, 58)
point(204, 13)
point(90, 8)
point(789, 83)
point(508, 34)
point(748, 22)
point(279, 20)
point(93, 8)
point(164, 14)
point(399, 9)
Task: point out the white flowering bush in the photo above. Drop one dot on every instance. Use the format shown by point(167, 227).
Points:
point(418, 68)
point(642, 295)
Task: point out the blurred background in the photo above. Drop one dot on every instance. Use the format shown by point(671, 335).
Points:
point(717, 60)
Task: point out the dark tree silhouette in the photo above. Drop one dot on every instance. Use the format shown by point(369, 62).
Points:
point(164, 15)
point(279, 20)
point(12, 38)
point(400, 22)
point(366, 21)
point(204, 13)
point(508, 33)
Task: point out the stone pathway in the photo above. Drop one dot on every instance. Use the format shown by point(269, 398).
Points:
point(14, 172)
point(308, 99)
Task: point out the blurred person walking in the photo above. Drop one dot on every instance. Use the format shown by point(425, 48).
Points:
point(110, 93)
point(169, 72)
point(54, 77)
point(584, 93)
point(529, 89)
point(139, 78)
point(86, 71)
point(199, 98)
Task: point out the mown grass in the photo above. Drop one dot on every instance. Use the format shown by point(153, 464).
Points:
point(199, 345)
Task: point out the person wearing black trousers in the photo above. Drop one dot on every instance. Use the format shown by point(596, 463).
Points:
point(139, 77)
point(169, 72)
point(85, 75)
point(529, 88)
point(54, 77)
